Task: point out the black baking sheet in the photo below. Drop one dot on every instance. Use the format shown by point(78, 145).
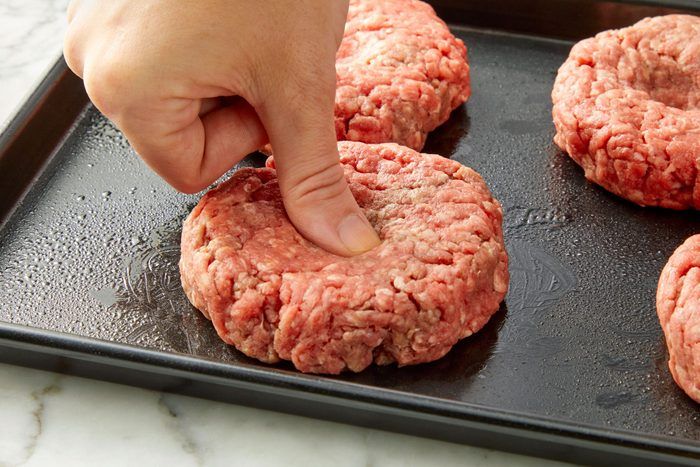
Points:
point(573, 366)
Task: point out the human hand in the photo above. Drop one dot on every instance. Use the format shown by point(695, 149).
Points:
point(196, 86)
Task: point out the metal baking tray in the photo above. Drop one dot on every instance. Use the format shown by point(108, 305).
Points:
point(573, 367)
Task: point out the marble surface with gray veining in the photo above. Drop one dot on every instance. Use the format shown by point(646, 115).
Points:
point(52, 420)
point(31, 32)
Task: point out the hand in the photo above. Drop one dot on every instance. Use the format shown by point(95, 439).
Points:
point(197, 85)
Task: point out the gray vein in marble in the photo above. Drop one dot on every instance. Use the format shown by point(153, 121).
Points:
point(179, 429)
point(39, 398)
point(20, 48)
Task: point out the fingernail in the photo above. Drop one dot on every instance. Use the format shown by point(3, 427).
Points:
point(356, 234)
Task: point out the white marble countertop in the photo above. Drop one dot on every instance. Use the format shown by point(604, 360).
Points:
point(52, 419)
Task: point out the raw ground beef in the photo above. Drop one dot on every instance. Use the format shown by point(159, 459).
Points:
point(400, 72)
point(627, 110)
point(437, 277)
point(678, 307)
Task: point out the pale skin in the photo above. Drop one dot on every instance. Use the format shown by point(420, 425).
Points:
point(195, 86)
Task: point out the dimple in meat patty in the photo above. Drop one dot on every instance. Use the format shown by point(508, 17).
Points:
point(400, 72)
point(678, 307)
point(437, 277)
point(627, 110)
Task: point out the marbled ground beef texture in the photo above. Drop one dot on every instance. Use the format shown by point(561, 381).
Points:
point(627, 110)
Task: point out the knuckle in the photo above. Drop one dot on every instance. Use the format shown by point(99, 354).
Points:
point(109, 85)
point(72, 52)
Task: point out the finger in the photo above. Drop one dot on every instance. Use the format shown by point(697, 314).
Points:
point(191, 152)
point(231, 133)
point(315, 192)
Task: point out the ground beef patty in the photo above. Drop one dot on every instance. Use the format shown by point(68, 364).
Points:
point(627, 110)
point(400, 72)
point(678, 307)
point(437, 277)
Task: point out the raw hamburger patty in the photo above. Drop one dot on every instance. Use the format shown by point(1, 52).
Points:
point(400, 72)
point(627, 110)
point(437, 277)
point(678, 307)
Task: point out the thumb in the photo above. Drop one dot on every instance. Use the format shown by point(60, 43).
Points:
point(312, 181)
